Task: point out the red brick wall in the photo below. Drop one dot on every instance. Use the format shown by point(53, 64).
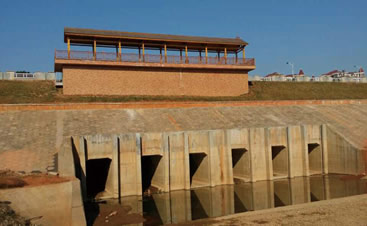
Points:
point(82, 80)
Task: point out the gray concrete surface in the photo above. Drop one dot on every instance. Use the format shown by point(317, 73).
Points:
point(52, 204)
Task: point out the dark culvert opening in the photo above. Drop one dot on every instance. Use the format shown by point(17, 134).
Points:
point(237, 155)
point(97, 173)
point(149, 166)
point(314, 158)
point(195, 161)
point(280, 160)
point(241, 164)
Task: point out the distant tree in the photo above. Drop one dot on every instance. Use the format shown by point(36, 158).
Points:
point(22, 72)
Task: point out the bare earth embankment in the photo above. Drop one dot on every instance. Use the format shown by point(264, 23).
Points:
point(18, 92)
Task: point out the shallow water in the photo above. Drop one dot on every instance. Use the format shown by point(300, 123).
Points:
point(181, 206)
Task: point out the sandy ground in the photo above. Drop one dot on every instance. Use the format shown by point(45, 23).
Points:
point(10, 179)
point(343, 211)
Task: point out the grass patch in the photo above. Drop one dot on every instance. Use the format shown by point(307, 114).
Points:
point(16, 92)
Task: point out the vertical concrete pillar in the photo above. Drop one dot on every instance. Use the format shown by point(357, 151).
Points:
point(268, 155)
point(258, 153)
point(324, 145)
point(296, 157)
point(220, 158)
point(306, 170)
point(179, 161)
point(130, 168)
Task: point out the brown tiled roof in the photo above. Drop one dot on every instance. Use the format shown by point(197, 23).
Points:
point(332, 72)
point(150, 36)
point(272, 74)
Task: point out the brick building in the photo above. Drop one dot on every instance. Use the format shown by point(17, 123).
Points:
point(152, 64)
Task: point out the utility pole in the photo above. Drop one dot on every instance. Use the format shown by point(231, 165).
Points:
point(292, 65)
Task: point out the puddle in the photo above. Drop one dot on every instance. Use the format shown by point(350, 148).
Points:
point(198, 203)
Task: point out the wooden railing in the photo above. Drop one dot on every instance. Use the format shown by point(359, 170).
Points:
point(150, 58)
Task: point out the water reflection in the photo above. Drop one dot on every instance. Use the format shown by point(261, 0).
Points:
point(180, 206)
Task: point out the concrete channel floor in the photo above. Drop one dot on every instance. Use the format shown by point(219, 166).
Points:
point(342, 211)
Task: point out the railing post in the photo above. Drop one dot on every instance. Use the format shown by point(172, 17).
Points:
point(225, 55)
point(218, 61)
point(143, 52)
point(200, 55)
point(206, 54)
point(139, 54)
point(243, 52)
point(68, 48)
point(94, 50)
point(120, 58)
point(186, 55)
point(181, 56)
point(236, 57)
point(165, 53)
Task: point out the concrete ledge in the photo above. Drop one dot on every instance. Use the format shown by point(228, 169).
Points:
point(59, 63)
point(137, 105)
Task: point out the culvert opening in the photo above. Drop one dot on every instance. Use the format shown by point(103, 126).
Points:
point(314, 159)
point(96, 176)
point(279, 156)
point(199, 170)
point(149, 172)
point(241, 164)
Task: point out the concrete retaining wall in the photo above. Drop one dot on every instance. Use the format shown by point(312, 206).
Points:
point(194, 159)
point(53, 204)
point(31, 136)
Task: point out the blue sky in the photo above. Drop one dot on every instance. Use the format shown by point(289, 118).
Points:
point(316, 35)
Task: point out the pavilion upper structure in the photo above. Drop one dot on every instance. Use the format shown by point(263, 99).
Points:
point(189, 50)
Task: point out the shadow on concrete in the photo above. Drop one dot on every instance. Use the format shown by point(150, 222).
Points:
point(97, 173)
point(149, 166)
point(195, 161)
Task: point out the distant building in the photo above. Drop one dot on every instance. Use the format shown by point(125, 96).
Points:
point(336, 74)
point(275, 76)
point(295, 76)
